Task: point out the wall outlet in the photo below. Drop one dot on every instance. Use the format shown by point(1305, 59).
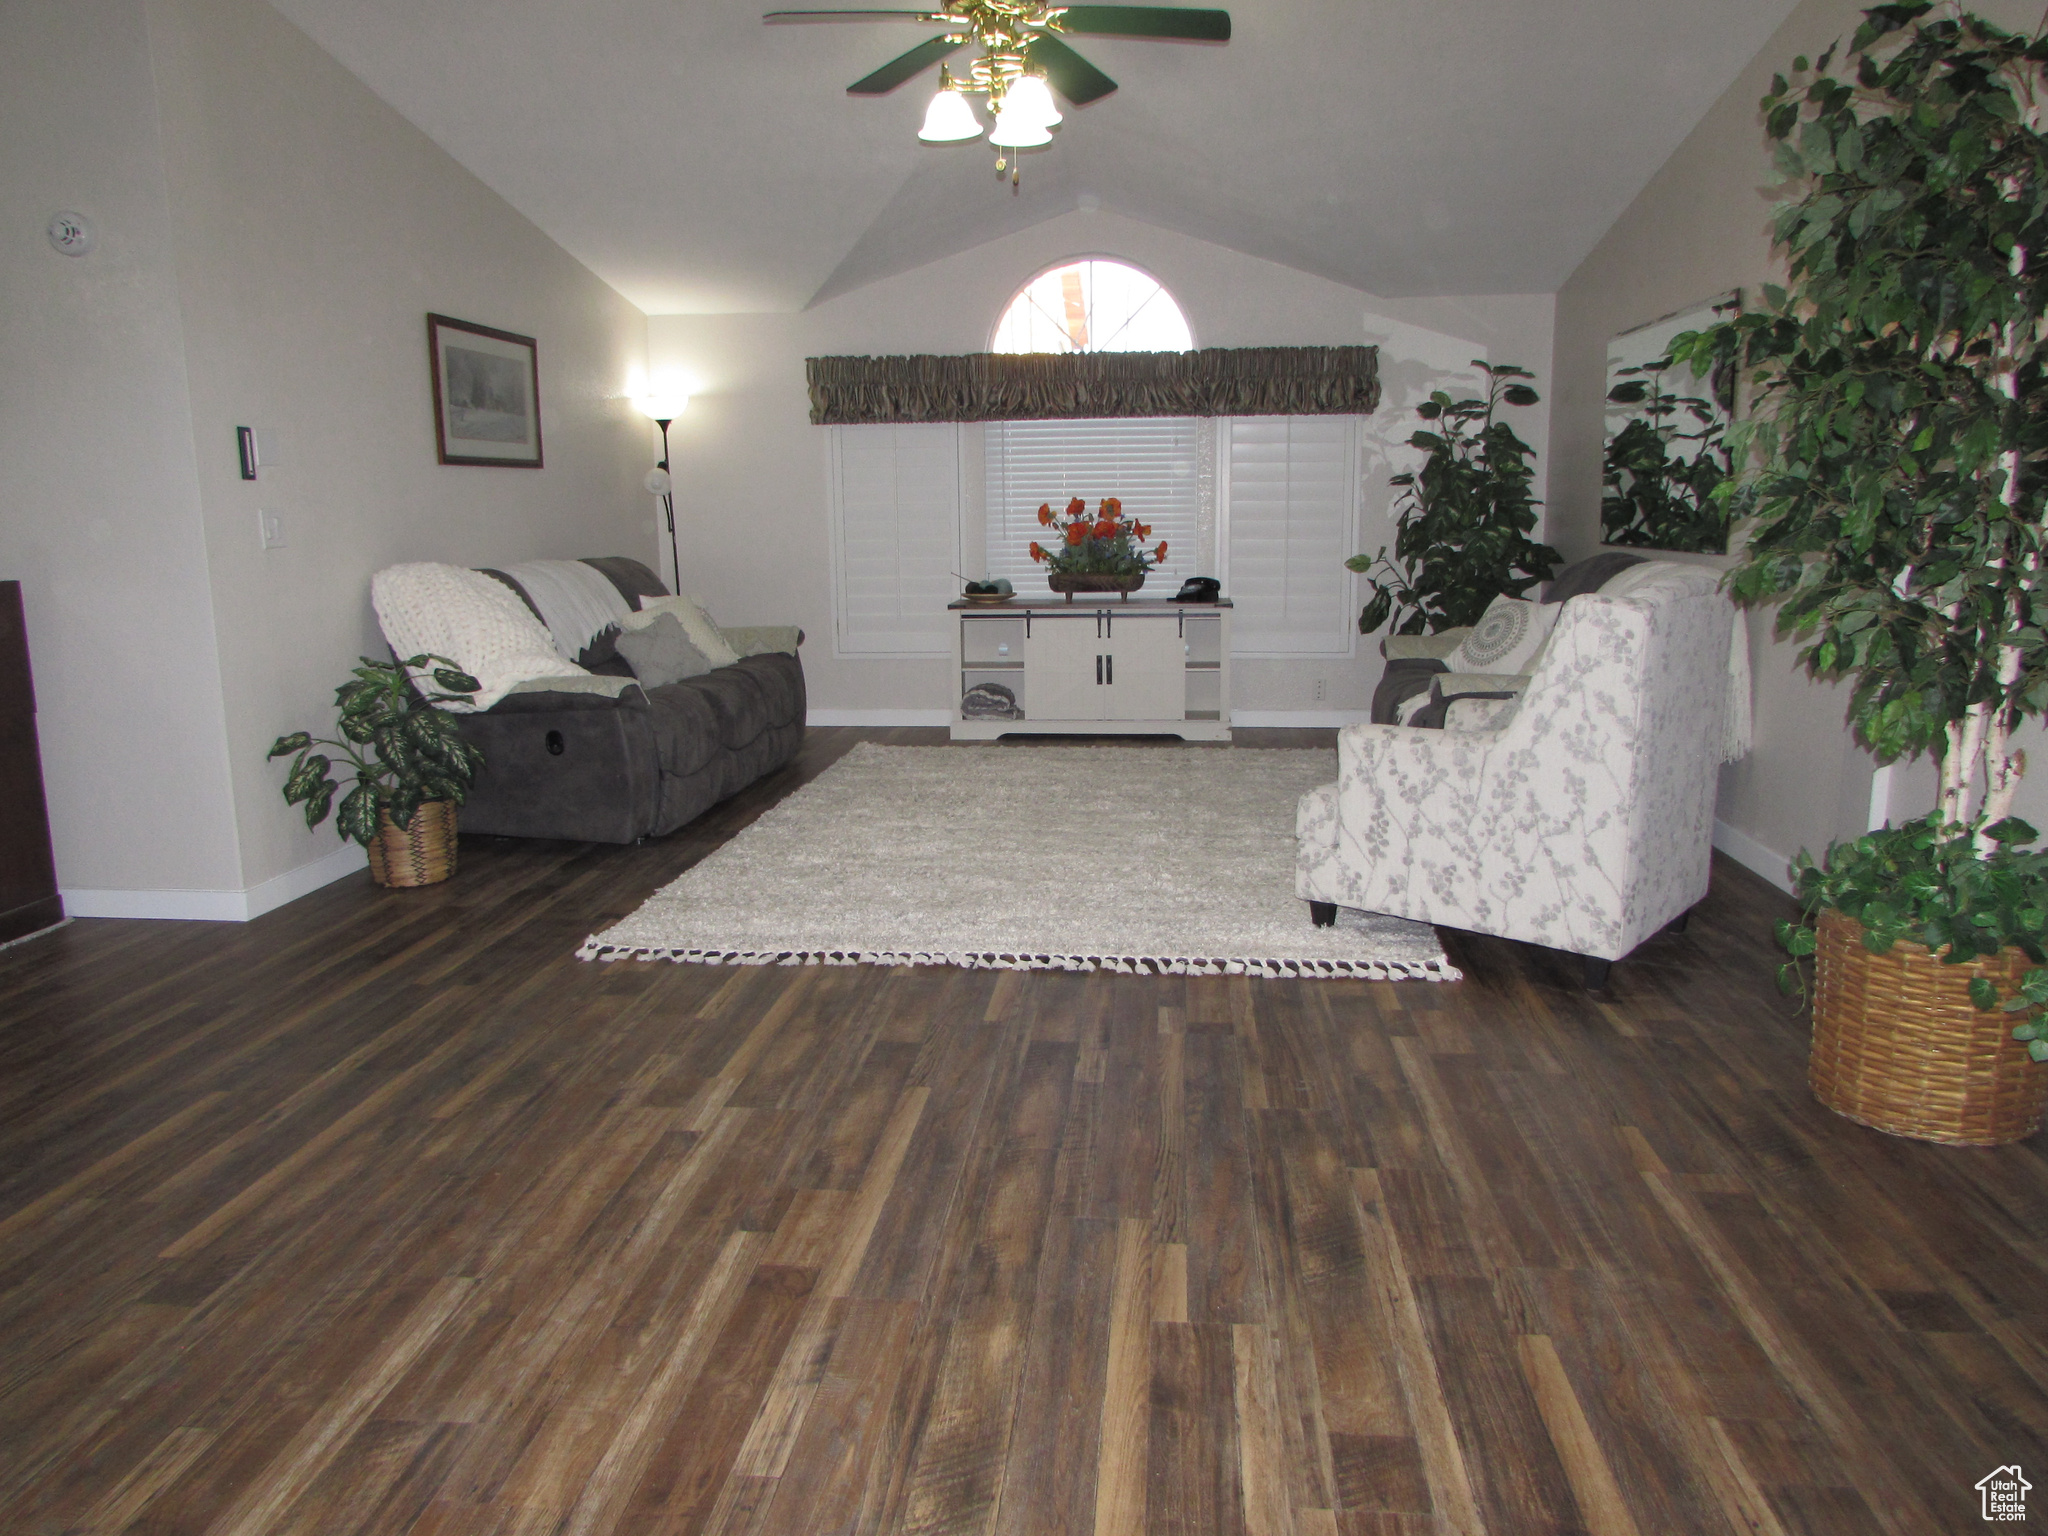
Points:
point(270, 529)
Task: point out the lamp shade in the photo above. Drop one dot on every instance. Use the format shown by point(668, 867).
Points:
point(1018, 131)
point(661, 405)
point(1030, 100)
point(949, 119)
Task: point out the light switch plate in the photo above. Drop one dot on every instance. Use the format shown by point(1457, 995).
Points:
point(270, 529)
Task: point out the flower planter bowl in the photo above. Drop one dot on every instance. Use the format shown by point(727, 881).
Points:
point(421, 854)
point(1899, 1046)
point(1071, 582)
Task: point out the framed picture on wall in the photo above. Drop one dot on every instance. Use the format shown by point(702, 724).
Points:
point(486, 394)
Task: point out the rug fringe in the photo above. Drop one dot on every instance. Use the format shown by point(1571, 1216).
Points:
point(1129, 965)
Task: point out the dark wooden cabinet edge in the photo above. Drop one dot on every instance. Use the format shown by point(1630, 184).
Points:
point(33, 918)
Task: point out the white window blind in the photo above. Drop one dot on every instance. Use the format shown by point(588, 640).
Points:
point(895, 537)
point(1290, 507)
point(1147, 463)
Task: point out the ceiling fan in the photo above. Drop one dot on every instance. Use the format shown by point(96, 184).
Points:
point(1021, 62)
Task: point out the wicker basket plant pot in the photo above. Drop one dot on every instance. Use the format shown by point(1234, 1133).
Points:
point(420, 854)
point(1899, 1046)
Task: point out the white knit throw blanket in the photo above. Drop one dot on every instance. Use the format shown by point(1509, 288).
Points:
point(577, 600)
point(477, 623)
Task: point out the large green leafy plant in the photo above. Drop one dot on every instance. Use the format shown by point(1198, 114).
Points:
point(403, 750)
point(1462, 536)
point(1662, 468)
point(1893, 457)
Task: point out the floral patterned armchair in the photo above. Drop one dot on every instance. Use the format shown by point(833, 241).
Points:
point(1580, 817)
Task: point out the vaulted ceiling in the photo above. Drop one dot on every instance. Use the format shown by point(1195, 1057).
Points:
point(700, 161)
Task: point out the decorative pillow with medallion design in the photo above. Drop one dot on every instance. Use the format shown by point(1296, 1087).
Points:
point(1507, 637)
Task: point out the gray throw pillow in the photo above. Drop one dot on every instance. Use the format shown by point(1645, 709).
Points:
point(661, 652)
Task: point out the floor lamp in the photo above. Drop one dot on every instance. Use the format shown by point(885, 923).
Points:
point(661, 410)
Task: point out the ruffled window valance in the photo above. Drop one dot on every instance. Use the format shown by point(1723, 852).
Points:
point(1043, 386)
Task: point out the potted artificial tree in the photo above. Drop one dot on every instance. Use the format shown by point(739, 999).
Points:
point(1462, 537)
point(402, 806)
point(1893, 478)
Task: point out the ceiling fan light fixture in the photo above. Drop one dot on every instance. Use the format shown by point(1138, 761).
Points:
point(949, 119)
point(1030, 100)
point(1015, 130)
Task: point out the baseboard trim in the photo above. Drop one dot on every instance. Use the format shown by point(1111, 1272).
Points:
point(220, 906)
point(882, 719)
point(1309, 719)
point(1754, 856)
point(171, 906)
point(879, 719)
point(306, 879)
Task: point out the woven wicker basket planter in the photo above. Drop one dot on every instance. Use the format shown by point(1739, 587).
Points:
point(1899, 1046)
point(421, 854)
point(1071, 582)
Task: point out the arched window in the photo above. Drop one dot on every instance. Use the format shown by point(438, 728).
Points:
point(1148, 463)
point(1094, 305)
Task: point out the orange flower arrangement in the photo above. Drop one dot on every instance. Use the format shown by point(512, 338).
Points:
point(1104, 544)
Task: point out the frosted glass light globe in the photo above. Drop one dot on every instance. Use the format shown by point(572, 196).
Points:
point(949, 119)
point(1030, 100)
point(1013, 132)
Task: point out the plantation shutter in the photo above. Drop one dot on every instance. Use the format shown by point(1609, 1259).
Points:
point(1148, 463)
point(896, 509)
point(1291, 489)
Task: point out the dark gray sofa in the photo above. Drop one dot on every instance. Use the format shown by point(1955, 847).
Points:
point(593, 769)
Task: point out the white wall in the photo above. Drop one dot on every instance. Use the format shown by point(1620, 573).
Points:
point(99, 497)
point(272, 238)
point(1700, 227)
point(316, 229)
point(751, 470)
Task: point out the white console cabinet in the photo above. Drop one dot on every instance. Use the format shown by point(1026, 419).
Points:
point(1146, 666)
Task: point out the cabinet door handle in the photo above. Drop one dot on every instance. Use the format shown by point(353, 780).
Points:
point(1098, 671)
point(1109, 669)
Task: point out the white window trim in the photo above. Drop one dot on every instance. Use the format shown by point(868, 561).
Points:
point(1356, 481)
point(835, 487)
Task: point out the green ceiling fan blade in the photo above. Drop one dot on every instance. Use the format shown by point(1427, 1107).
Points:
point(1147, 21)
point(903, 66)
point(1068, 73)
point(785, 18)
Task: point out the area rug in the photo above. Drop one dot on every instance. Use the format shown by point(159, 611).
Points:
point(1163, 860)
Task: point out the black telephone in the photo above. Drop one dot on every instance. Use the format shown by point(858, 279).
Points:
point(1199, 589)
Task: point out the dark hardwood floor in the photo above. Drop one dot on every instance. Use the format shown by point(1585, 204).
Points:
point(385, 1214)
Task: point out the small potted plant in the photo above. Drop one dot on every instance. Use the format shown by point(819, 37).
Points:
point(1891, 473)
point(1103, 553)
point(416, 771)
